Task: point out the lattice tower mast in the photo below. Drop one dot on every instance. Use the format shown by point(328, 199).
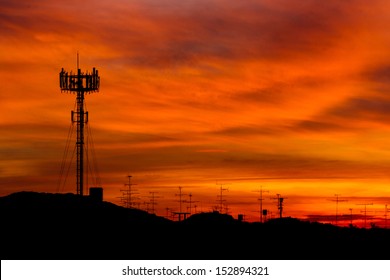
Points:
point(80, 84)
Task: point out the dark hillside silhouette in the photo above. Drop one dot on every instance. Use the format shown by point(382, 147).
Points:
point(68, 226)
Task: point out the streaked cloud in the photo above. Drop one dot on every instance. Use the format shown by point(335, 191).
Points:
point(197, 90)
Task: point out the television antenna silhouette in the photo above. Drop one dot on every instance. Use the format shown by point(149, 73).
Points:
point(190, 202)
point(181, 213)
point(261, 191)
point(153, 196)
point(365, 212)
point(337, 205)
point(128, 193)
point(79, 83)
point(221, 200)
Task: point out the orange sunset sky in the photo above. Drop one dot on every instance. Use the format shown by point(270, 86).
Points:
point(289, 95)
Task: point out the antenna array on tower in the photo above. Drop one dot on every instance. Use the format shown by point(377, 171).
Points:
point(79, 83)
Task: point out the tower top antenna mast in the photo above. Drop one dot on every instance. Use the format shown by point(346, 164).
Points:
point(79, 83)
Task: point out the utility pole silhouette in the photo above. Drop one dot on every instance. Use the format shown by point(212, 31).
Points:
point(337, 205)
point(386, 216)
point(365, 212)
point(79, 83)
point(280, 200)
point(221, 200)
point(180, 213)
point(128, 193)
point(261, 191)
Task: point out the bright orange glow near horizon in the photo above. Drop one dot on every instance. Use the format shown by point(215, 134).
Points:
point(292, 96)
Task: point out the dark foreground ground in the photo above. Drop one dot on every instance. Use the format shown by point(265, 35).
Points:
point(66, 226)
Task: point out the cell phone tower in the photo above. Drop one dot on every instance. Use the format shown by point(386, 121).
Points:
point(80, 84)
